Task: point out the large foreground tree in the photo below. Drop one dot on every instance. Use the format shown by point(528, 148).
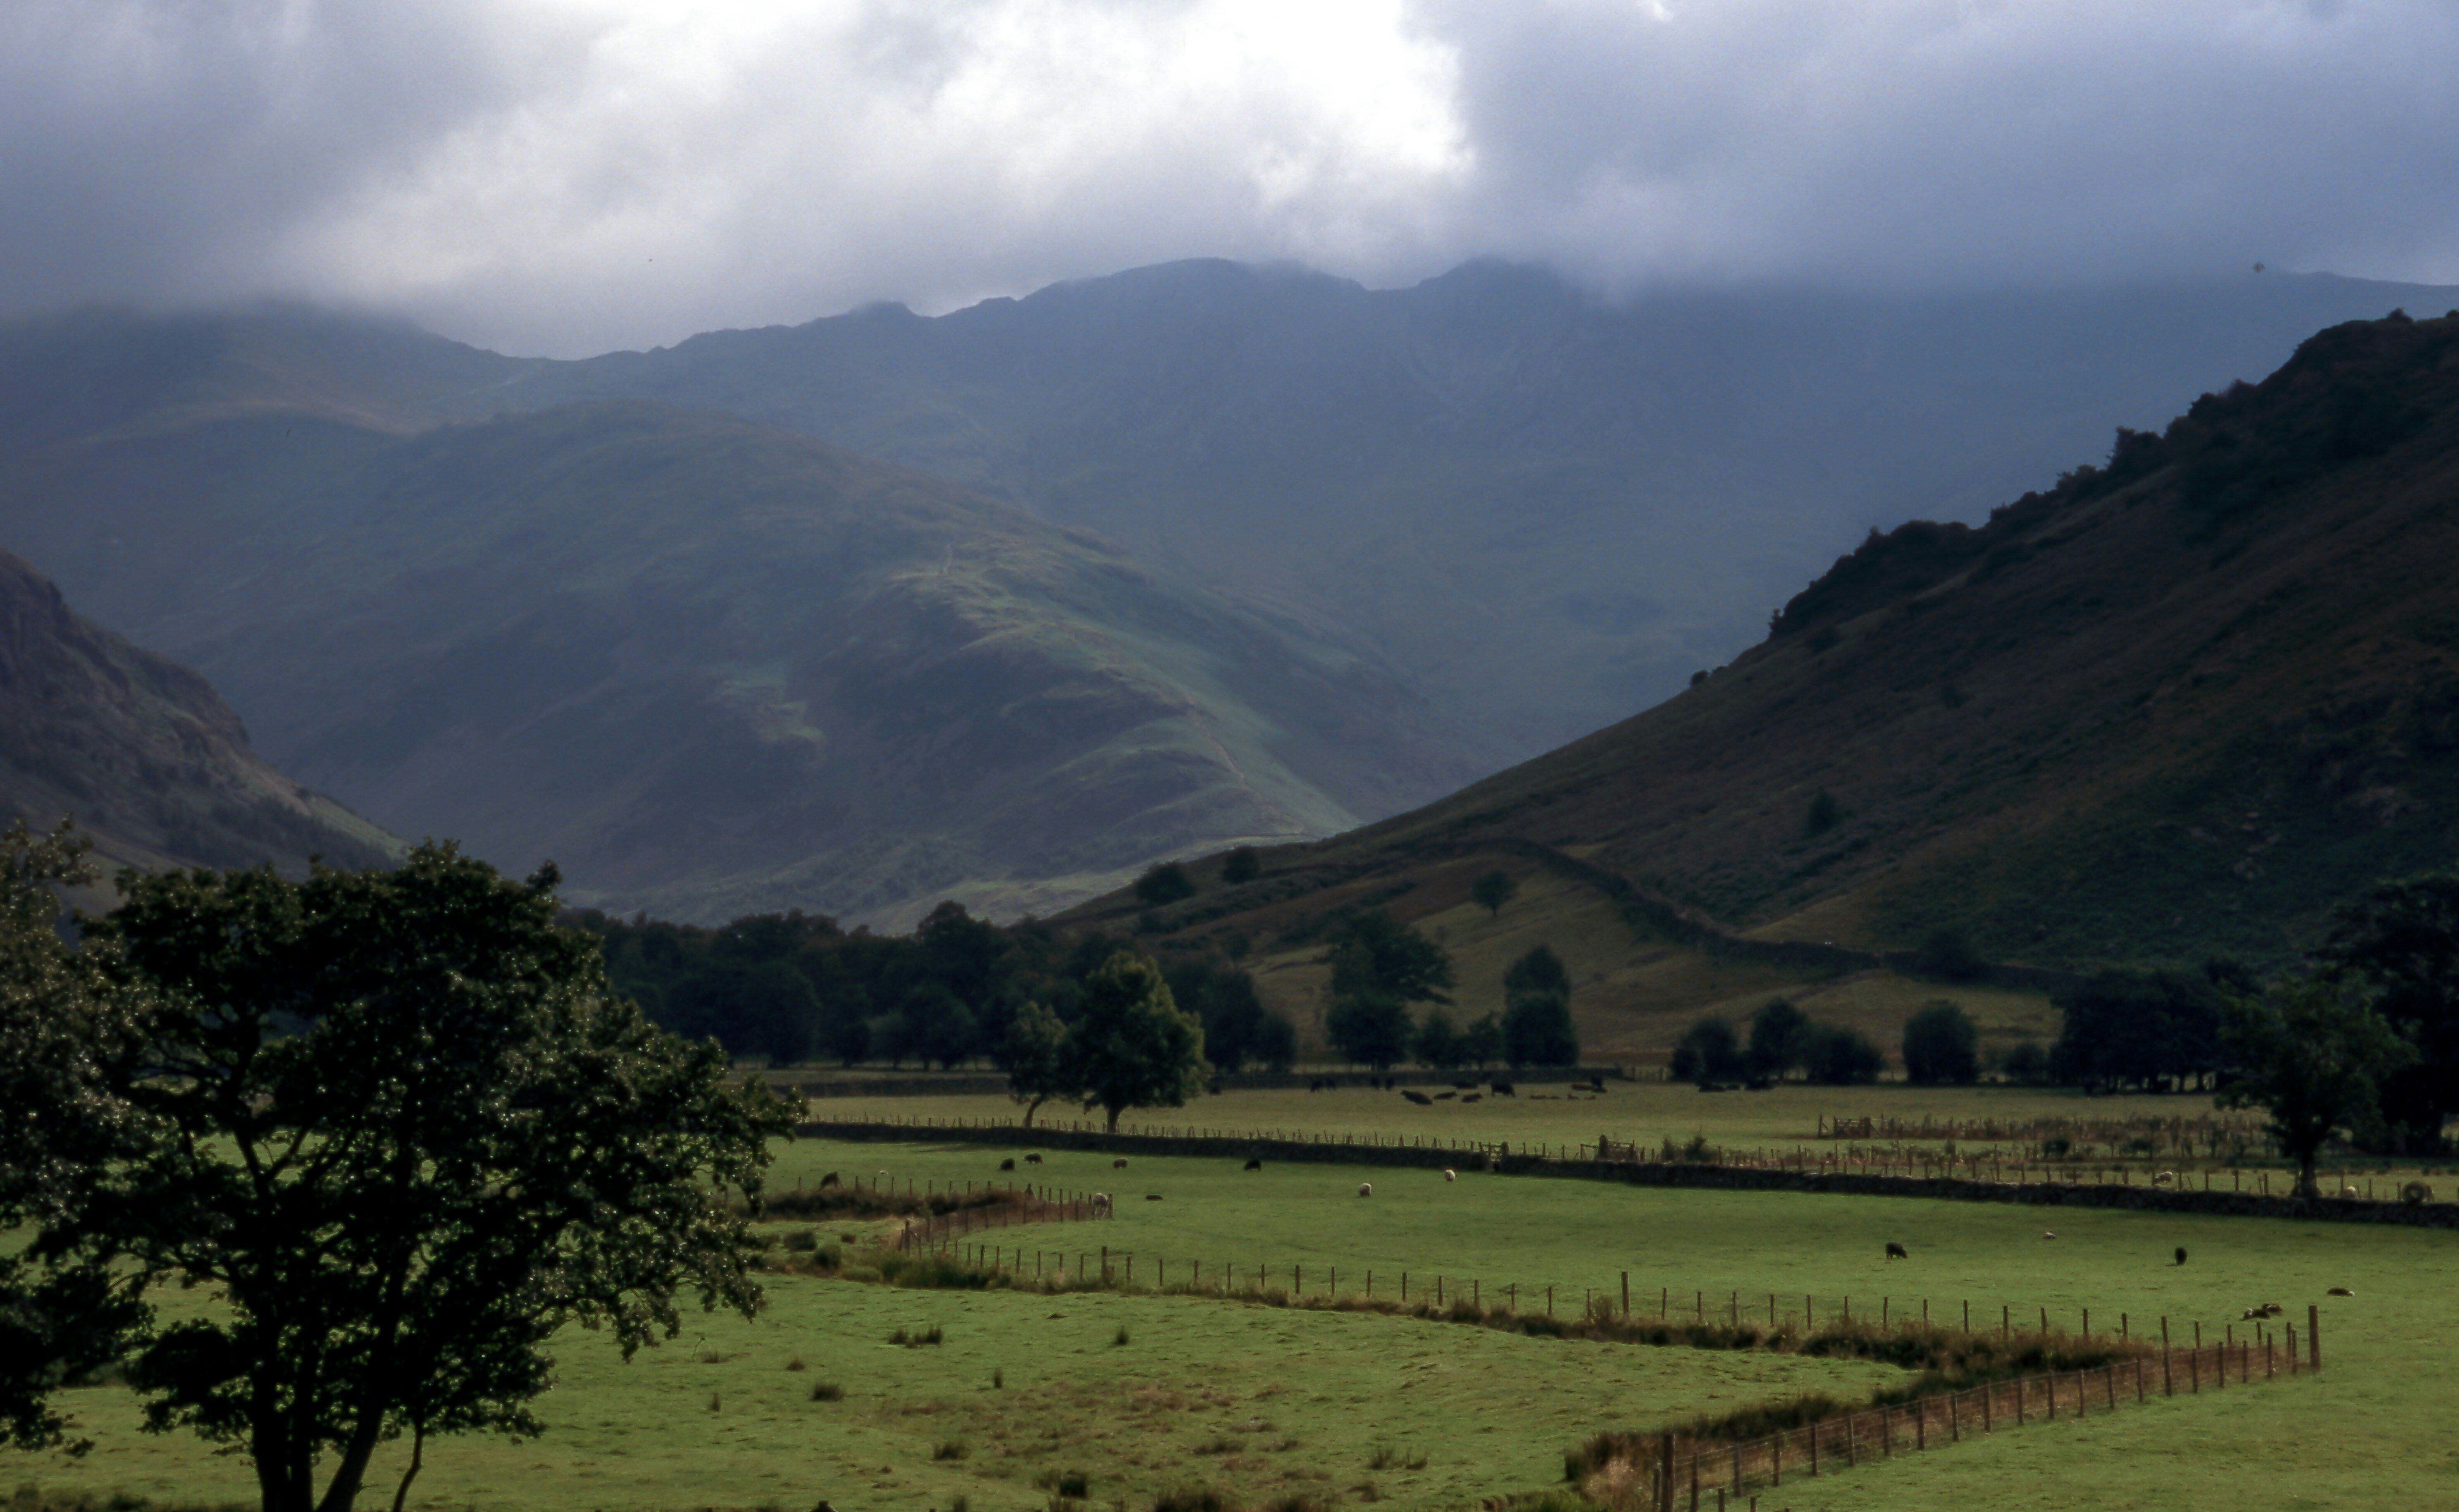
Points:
point(1131, 1047)
point(399, 1125)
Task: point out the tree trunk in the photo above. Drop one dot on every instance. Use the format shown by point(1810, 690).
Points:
point(1112, 1127)
point(2306, 1186)
point(1032, 1107)
point(417, 1450)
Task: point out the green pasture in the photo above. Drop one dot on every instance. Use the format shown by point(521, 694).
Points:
point(1258, 1401)
point(1783, 1117)
point(716, 1418)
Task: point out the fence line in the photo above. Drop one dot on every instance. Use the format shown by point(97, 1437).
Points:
point(1797, 1170)
point(1681, 1470)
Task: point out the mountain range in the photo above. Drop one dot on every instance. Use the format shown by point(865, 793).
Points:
point(2178, 706)
point(1006, 603)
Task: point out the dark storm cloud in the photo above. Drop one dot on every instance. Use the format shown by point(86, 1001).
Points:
point(566, 175)
point(1915, 140)
point(161, 149)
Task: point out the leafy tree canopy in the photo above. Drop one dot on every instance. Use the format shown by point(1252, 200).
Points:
point(403, 1126)
point(2401, 943)
point(2313, 1052)
point(1709, 1053)
point(1780, 1039)
point(1941, 1047)
point(1492, 891)
point(1131, 1046)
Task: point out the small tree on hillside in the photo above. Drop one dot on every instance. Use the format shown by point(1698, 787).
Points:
point(1537, 1028)
point(1709, 1053)
point(2313, 1054)
point(1437, 1042)
point(1378, 968)
point(1034, 1055)
point(1480, 1043)
point(1492, 891)
point(1780, 1039)
point(1242, 865)
point(1130, 1045)
point(1841, 1056)
point(1165, 882)
point(1941, 1047)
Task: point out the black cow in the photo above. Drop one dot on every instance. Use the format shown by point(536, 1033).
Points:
point(1896, 1252)
point(1419, 1098)
point(1033, 1160)
point(1008, 1163)
point(1254, 1163)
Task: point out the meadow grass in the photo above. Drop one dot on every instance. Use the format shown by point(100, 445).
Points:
point(1785, 1116)
point(1256, 1401)
point(2372, 1426)
point(1031, 1385)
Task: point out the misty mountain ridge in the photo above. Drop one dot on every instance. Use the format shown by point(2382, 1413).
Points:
point(2181, 704)
point(638, 613)
point(713, 668)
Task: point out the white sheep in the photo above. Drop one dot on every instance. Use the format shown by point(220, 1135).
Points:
point(1450, 1175)
point(2165, 1179)
point(2052, 1234)
point(1365, 1188)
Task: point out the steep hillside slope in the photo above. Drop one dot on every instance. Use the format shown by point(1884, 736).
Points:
point(712, 668)
point(141, 752)
point(2181, 704)
point(1547, 509)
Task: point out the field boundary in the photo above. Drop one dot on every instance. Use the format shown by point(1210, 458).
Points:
point(1350, 1151)
point(1656, 1471)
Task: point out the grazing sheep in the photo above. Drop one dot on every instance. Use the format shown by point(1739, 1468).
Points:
point(1152, 1196)
point(1033, 1160)
point(2181, 1254)
point(1365, 1188)
point(1442, 1095)
point(2349, 1191)
point(1597, 1084)
point(1120, 1164)
point(2340, 1291)
point(1254, 1163)
point(1450, 1175)
point(828, 1180)
point(1008, 1163)
point(2052, 1234)
point(1466, 1098)
point(1501, 1090)
point(1896, 1252)
point(1463, 1086)
point(2262, 1310)
point(2165, 1179)
point(1419, 1098)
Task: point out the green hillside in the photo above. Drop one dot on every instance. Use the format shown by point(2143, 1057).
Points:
point(2181, 704)
point(141, 753)
point(1545, 508)
point(712, 668)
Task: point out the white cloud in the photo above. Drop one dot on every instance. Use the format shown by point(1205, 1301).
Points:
point(566, 175)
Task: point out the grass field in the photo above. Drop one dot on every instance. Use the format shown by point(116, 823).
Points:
point(1492, 1412)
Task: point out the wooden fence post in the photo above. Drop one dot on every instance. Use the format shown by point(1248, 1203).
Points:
point(2313, 1335)
point(1626, 1293)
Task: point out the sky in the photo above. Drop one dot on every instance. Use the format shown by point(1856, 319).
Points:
point(566, 176)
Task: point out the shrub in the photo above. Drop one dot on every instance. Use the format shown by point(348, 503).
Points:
point(950, 1449)
point(1824, 812)
point(1941, 1046)
point(826, 1391)
point(1194, 1499)
point(1843, 1056)
point(1165, 882)
point(1709, 1053)
point(1241, 865)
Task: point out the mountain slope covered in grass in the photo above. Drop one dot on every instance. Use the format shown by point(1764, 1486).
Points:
point(141, 752)
point(1546, 508)
point(2178, 705)
point(710, 668)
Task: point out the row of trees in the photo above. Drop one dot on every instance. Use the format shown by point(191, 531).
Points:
point(1380, 969)
point(1782, 1041)
point(794, 987)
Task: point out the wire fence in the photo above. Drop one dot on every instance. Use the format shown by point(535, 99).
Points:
point(1673, 1472)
